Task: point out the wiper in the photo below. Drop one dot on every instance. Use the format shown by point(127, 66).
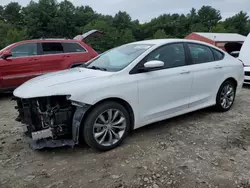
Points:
point(97, 68)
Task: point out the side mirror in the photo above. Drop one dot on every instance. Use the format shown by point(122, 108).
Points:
point(151, 65)
point(6, 54)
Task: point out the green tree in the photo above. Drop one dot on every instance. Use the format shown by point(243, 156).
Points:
point(64, 21)
point(126, 36)
point(160, 34)
point(122, 20)
point(4, 27)
point(237, 23)
point(38, 18)
point(219, 28)
point(209, 17)
point(12, 13)
point(9, 34)
point(192, 20)
point(49, 18)
point(1, 12)
point(110, 38)
point(14, 35)
point(83, 16)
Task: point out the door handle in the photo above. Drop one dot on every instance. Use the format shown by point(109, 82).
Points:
point(218, 67)
point(185, 72)
point(66, 56)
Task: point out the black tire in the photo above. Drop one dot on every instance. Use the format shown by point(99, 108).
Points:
point(88, 126)
point(218, 105)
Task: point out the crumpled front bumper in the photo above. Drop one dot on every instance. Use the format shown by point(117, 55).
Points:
point(45, 138)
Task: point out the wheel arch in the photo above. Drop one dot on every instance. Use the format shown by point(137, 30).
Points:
point(232, 80)
point(123, 102)
point(218, 106)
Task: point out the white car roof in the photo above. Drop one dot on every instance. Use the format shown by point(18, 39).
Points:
point(155, 41)
point(165, 41)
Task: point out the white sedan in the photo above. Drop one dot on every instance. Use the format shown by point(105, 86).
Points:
point(126, 88)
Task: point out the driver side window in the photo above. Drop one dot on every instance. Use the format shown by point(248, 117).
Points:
point(24, 50)
point(173, 55)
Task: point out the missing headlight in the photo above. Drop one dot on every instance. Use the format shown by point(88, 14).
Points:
point(53, 113)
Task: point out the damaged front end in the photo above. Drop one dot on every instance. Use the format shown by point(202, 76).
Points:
point(50, 121)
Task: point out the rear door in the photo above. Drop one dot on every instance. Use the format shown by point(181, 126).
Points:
point(208, 70)
point(75, 53)
point(21, 66)
point(52, 57)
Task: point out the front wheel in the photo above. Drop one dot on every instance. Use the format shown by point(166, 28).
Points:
point(225, 96)
point(106, 126)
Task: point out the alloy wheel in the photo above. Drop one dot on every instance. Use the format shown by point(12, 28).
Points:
point(109, 127)
point(227, 96)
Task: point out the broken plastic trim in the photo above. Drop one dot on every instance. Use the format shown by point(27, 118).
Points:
point(78, 104)
point(77, 121)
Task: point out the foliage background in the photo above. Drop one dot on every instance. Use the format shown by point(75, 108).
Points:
point(48, 18)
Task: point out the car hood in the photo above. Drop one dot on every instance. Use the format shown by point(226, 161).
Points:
point(61, 83)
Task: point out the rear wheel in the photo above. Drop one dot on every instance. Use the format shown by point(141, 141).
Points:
point(225, 96)
point(106, 126)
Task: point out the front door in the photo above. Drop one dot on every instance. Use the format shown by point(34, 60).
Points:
point(164, 92)
point(21, 66)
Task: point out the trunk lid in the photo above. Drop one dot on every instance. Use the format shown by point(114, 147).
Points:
point(88, 35)
point(244, 55)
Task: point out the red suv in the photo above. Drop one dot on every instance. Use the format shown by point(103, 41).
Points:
point(24, 60)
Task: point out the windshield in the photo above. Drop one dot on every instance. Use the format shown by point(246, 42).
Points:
point(118, 58)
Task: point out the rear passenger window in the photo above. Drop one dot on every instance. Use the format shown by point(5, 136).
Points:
point(200, 53)
point(52, 48)
point(73, 48)
point(217, 55)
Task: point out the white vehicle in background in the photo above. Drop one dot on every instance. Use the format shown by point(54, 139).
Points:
point(126, 88)
point(244, 56)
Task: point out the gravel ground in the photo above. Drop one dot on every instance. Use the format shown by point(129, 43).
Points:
point(200, 149)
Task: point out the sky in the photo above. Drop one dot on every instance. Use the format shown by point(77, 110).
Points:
point(145, 10)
